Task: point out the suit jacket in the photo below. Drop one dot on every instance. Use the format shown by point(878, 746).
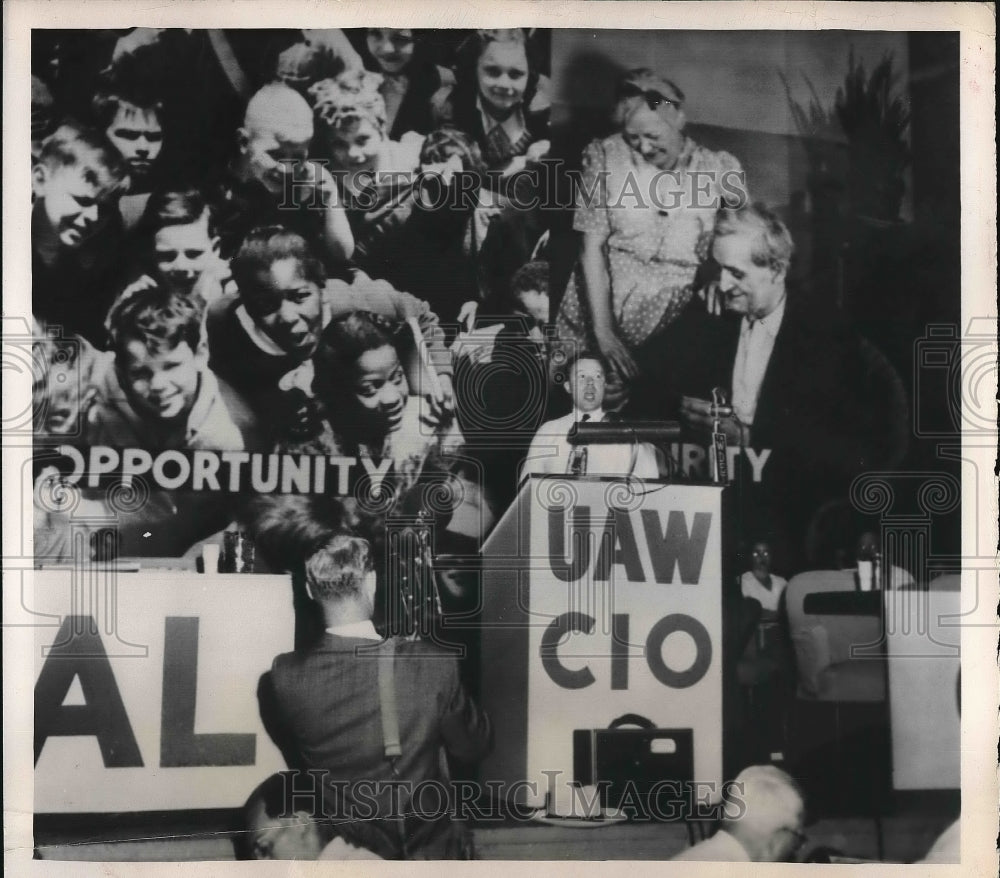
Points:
point(810, 402)
point(328, 714)
point(810, 413)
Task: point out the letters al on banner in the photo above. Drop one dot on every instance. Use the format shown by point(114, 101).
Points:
point(145, 688)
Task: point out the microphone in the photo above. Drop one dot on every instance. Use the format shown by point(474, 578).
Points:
point(623, 432)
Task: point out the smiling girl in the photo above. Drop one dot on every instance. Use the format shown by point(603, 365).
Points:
point(500, 99)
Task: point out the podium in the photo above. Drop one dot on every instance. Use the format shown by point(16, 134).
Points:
point(602, 598)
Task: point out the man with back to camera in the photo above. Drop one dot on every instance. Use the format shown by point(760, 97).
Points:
point(762, 823)
point(336, 708)
point(550, 451)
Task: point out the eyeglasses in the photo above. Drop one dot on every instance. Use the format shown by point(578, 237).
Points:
point(654, 100)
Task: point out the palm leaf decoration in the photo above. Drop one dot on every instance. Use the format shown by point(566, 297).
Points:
point(872, 117)
point(817, 126)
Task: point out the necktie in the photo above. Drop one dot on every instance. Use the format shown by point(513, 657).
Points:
point(578, 457)
point(498, 146)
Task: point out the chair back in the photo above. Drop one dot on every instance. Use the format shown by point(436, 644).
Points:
point(822, 640)
point(890, 413)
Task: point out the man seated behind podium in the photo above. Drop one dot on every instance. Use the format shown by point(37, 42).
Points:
point(551, 452)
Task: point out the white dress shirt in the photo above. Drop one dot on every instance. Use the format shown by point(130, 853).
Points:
point(720, 848)
point(365, 630)
point(768, 598)
point(752, 356)
point(550, 452)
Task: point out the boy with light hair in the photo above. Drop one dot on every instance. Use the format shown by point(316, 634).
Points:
point(76, 229)
point(162, 393)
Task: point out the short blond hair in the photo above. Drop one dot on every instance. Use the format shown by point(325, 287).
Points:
point(77, 146)
point(350, 98)
point(338, 569)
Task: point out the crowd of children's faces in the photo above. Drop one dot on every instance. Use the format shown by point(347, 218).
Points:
point(169, 266)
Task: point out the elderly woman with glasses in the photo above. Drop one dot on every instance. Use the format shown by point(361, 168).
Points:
point(645, 207)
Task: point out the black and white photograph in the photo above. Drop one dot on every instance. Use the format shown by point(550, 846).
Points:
point(570, 440)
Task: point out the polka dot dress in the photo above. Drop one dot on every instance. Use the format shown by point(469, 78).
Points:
point(657, 226)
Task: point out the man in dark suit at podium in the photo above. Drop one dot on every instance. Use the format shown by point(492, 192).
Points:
point(791, 372)
point(550, 451)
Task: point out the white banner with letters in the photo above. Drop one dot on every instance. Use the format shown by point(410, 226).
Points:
point(146, 688)
point(625, 618)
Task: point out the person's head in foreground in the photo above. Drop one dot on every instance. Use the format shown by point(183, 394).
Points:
point(585, 382)
point(281, 283)
point(182, 236)
point(769, 821)
point(276, 826)
point(78, 179)
point(156, 336)
point(276, 134)
point(359, 378)
point(753, 250)
point(341, 579)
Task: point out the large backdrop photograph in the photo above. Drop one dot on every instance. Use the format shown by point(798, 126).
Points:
point(519, 443)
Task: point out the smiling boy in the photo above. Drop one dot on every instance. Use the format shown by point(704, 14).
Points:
point(161, 393)
point(76, 230)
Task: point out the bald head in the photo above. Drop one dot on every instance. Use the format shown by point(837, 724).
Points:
point(276, 134)
point(771, 819)
point(279, 109)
